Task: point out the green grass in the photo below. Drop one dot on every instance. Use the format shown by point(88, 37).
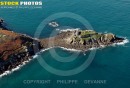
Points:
point(87, 39)
point(97, 36)
point(87, 33)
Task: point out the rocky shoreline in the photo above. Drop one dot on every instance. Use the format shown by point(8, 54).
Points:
point(80, 40)
point(15, 48)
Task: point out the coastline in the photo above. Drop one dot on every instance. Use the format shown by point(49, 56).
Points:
point(23, 63)
point(74, 40)
point(43, 50)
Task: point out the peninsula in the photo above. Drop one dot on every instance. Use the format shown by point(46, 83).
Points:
point(81, 40)
point(16, 48)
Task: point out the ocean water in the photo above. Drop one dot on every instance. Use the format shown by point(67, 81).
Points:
point(110, 63)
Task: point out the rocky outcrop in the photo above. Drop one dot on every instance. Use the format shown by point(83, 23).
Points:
point(2, 24)
point(80, 40)
point(1, 21)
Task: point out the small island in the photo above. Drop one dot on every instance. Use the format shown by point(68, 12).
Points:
point(16, 48)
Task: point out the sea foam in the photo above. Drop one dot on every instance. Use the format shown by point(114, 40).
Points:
point(68, 49)
point(16, 68)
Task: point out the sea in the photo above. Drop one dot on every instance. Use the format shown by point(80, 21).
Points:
point(111, 63)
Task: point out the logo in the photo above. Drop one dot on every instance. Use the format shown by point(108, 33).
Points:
point(21, 4)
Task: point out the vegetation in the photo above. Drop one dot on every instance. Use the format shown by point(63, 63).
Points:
point(10, 43)
point(87, 35)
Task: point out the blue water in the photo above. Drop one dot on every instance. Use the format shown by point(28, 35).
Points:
point(110, 64)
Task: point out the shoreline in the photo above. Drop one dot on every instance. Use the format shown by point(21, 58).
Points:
point(42, 50)
point(22, 64)
point(66, 41)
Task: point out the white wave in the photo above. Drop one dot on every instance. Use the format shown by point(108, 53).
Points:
point(14, 69)
point(75, 50)
point(93, 48)
point(35, 56)
point(46, 49)
point(123, 43)
point(102, 46)
point(57, 29)
point(69, 49)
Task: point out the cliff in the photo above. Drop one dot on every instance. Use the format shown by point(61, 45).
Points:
point(16, 48)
